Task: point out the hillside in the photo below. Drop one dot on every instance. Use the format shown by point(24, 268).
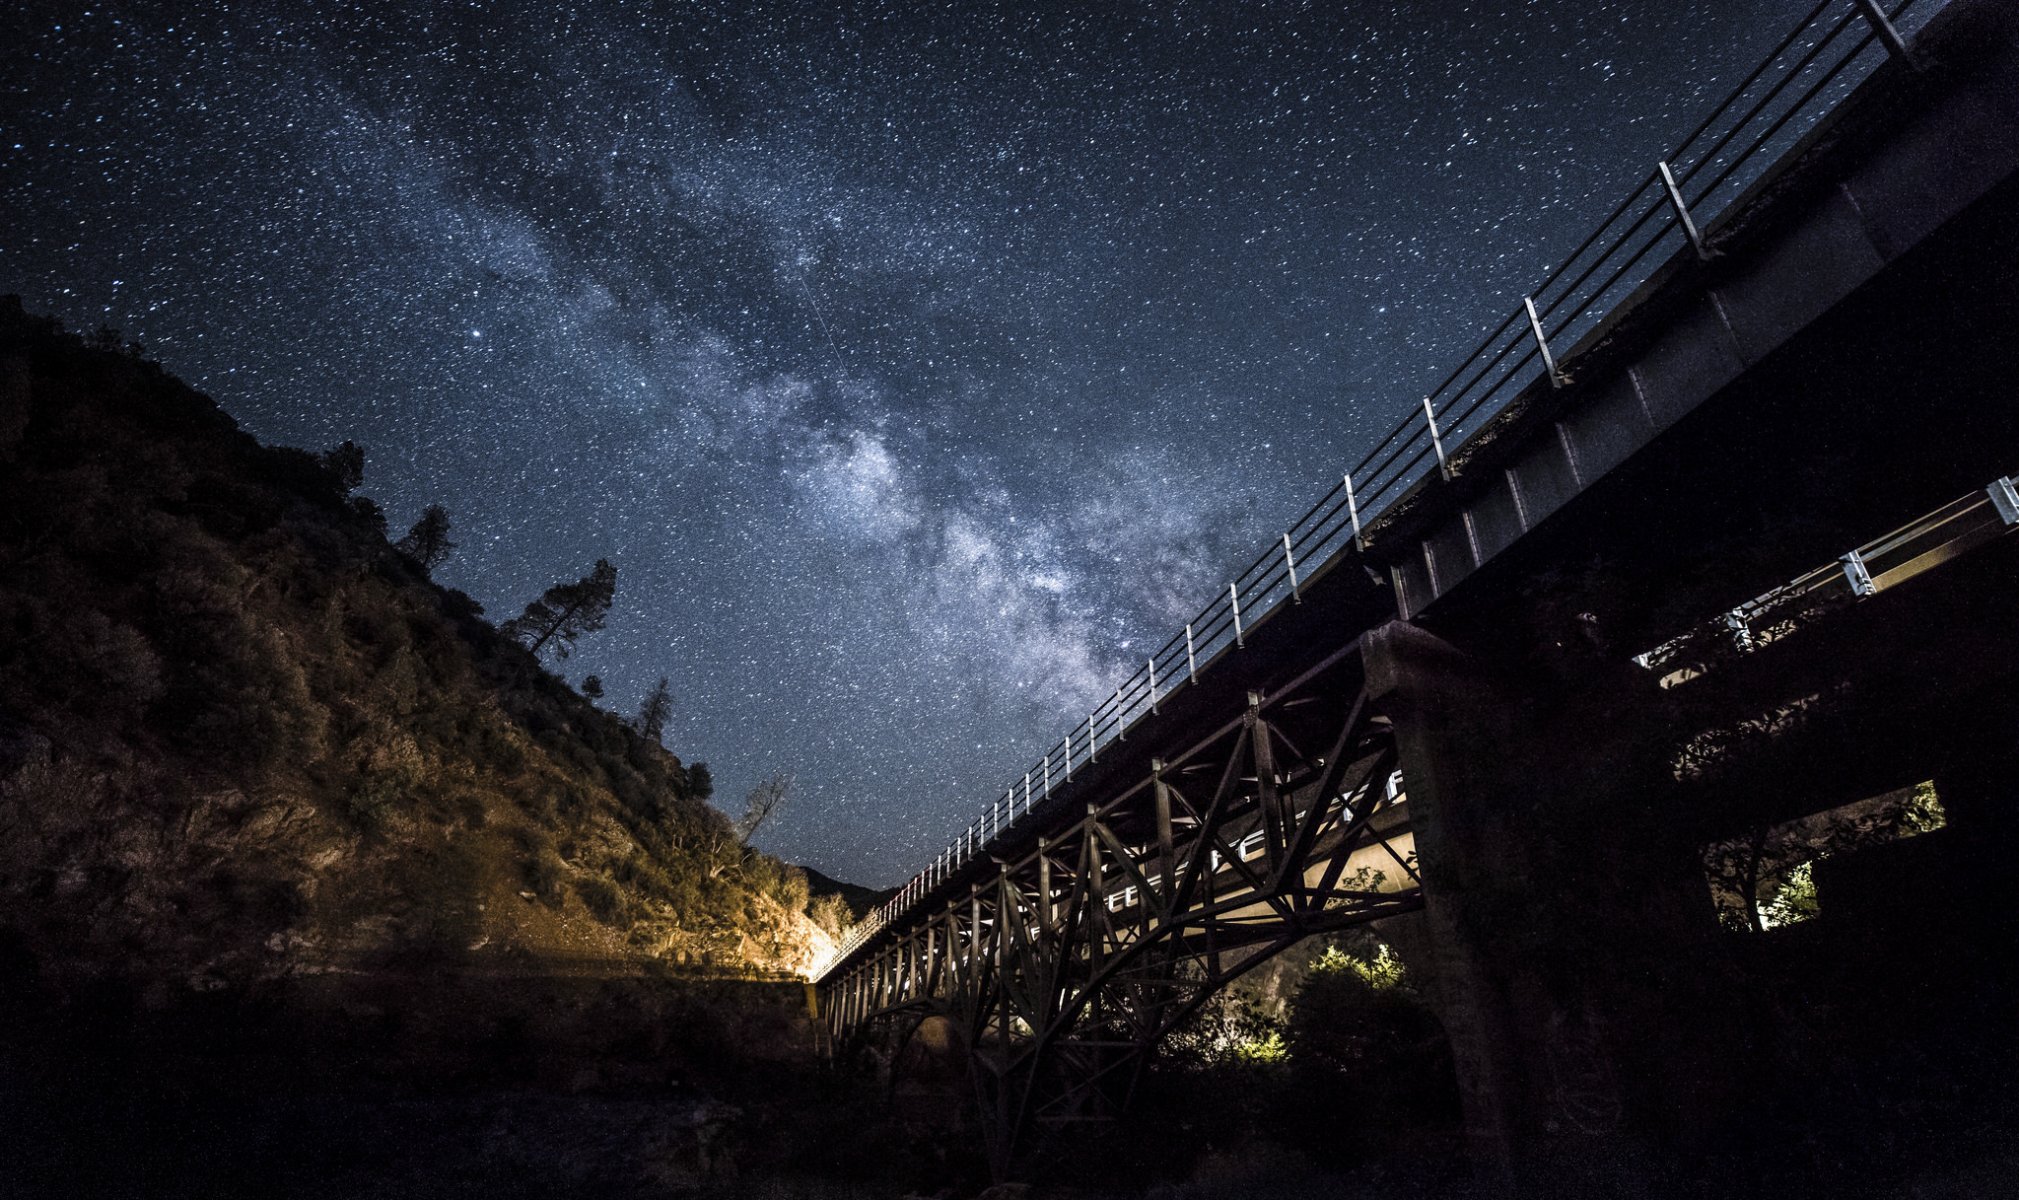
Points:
point(858, 899)
point(244, 739)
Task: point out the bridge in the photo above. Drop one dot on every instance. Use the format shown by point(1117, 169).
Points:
point(1707, 531)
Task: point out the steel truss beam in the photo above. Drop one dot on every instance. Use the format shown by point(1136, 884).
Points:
point(1065, 969)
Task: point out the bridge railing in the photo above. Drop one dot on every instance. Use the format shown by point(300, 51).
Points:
point(1829, 52)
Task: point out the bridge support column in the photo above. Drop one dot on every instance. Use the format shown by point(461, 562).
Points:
point(1977, 778)
point(1563, 936)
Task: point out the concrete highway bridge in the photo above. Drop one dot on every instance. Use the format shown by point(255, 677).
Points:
point(1708, 532)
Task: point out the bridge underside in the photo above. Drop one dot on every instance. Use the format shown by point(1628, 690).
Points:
point(1068, 966)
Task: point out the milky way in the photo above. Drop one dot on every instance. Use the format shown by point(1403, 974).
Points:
point(917, 366)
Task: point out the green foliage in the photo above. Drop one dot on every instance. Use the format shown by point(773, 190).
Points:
point(1794, 901)
point(1370, 1048)
point(1229, 1023)
point(1378, 967)
point(1266, 1050)
point(1762, 879)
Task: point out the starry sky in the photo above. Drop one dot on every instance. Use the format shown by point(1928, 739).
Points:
point(920, 366)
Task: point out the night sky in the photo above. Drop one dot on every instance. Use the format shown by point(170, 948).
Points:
point(919, 367)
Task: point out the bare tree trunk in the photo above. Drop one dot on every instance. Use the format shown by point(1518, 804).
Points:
point(1750, 878)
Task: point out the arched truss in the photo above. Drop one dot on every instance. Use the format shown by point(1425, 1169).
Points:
point(1065, 968)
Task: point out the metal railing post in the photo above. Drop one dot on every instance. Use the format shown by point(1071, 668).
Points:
point(1234, 598)
point(1290, 563)
point(1682, 211)
point(1191, 657)
point(1353, 512)
point(1883, 26)
point(1556, 378)
point(2004, 500)
point(1436, 438)
point(1153, 683)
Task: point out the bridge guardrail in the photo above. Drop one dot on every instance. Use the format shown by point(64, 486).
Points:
point(1832, 50)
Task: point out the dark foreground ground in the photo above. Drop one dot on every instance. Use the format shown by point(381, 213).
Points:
point(615, 1088)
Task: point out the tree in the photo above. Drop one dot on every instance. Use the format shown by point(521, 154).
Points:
point(764, 800)
point(346, 465)
point(592, 686)
point(427, 543)
point(652, 714)
point(700, 781)
point(830, 912)
point(565, 612)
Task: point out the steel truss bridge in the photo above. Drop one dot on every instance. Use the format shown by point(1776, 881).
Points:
point(1075, 955)
point(1243, 789)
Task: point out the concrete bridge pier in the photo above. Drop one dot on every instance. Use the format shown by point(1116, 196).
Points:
point(1566, 936)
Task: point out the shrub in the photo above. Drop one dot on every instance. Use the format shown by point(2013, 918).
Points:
point(604, 900)
point(539, 865)
point(830, 913)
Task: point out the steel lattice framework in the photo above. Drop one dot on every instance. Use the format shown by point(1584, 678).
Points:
point(1064, 966)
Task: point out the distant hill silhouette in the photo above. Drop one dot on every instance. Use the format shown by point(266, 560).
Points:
point(858, 898)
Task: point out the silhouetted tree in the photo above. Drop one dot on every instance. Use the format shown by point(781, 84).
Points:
point(764, 799)
point(653, 713)
point(700, 781)
point(346, 465)
point(427, 543)
point(565, 612)
point(592, 686)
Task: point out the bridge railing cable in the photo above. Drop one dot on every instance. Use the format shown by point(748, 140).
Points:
point(1837, 45)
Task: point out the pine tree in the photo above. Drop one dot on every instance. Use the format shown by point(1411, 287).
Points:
point(700, 781)
point(427, 543)
point(565, 612)
point(653, 713)
point(592, 686)
point(346, 466)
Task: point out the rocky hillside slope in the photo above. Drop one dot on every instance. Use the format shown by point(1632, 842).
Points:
point(243, 738)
